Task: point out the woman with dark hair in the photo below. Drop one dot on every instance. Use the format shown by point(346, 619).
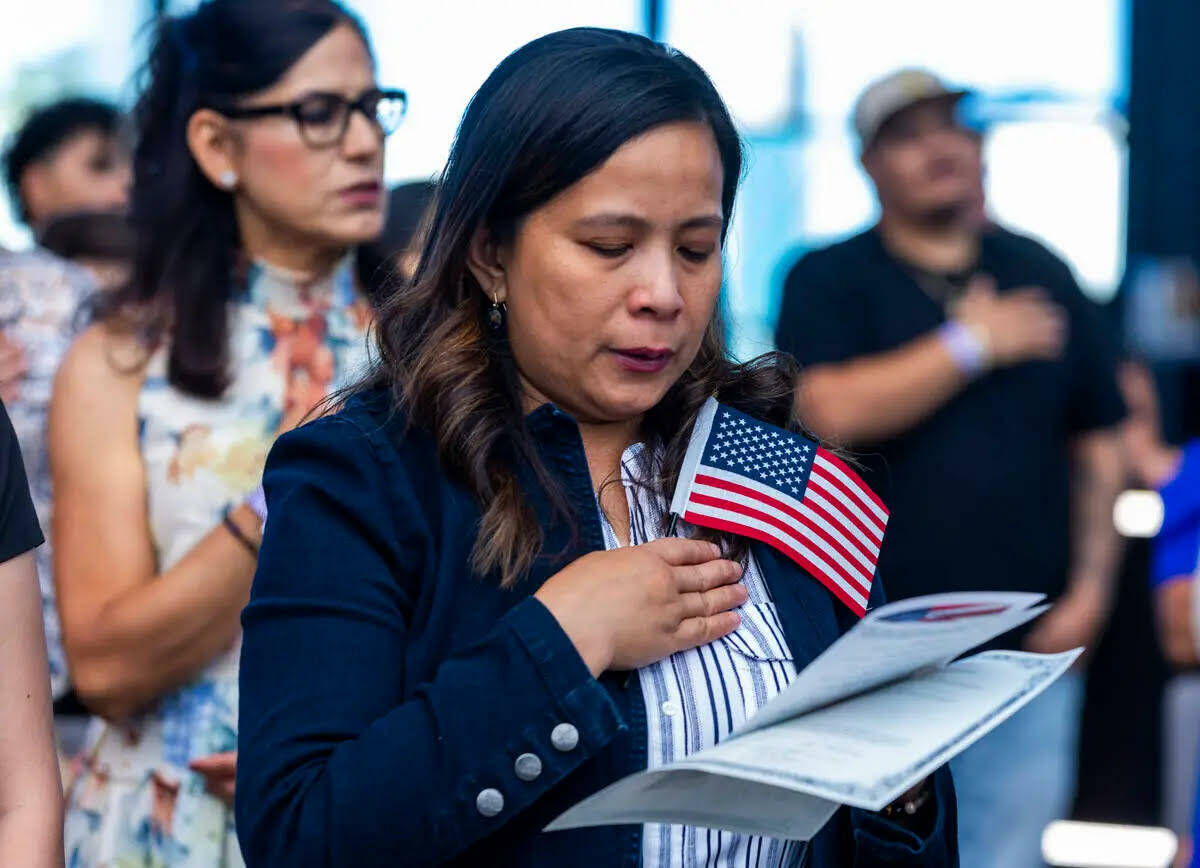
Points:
point(466, 616)
point(258, 168)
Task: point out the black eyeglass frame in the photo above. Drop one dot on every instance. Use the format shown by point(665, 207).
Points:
point(294, 110)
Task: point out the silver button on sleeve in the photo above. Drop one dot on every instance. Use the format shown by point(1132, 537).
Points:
point(528, 766)
point(564, 737)
point(489, 802)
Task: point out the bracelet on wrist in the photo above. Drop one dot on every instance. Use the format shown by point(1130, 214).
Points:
point(908, 806)
point(238, 534)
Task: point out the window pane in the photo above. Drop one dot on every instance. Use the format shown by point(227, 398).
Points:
point(77, 47)
point(441, 53)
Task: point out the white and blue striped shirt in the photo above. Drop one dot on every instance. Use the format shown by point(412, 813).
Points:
point(697, 697)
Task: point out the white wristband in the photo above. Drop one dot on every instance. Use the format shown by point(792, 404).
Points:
point(967, 346)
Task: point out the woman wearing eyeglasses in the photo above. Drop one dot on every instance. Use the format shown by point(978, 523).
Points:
point(259, 167)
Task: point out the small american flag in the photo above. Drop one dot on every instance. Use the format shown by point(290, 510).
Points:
point(747, 477)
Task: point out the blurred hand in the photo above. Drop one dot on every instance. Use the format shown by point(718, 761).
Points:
point(1176, 632)
point(1075, 619)
point(1018, 326)
point(12, 368)
point(220, 771)
point(633, 606)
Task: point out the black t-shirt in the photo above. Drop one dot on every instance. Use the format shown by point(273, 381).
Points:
point(19, 531)
point(979, 491)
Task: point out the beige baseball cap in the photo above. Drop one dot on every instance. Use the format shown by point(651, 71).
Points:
point(888, 96)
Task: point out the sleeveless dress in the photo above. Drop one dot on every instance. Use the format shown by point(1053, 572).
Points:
point(136, 802)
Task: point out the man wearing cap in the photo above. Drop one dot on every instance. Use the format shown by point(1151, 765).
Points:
point(977, 384)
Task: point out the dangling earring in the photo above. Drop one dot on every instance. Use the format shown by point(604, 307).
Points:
point(228, 179)
point(496, 314)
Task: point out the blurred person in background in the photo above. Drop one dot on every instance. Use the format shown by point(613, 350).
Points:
point(966, 367)
point(68, 156)
point(394, 255)
point(101, 242)
point(30, 790)
point(258, 167)
point(41, 296)
point(1174, 472)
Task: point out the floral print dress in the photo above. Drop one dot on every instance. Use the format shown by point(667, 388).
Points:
point(136, 803)
point(40, 300)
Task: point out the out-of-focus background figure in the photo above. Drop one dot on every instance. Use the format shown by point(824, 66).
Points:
point(67, 160)
point(964, 363)
point(68, 156)
point(241, 313)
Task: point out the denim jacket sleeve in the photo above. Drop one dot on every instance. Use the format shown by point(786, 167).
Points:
point(340, 761)
point(879, 841)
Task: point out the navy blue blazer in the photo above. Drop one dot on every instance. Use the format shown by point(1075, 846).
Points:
point(384, 686)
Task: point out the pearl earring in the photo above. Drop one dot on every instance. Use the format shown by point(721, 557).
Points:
point(228, 179)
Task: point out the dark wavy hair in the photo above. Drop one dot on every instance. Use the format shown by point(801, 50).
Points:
point(48, 127)
point(184, 267)
point(548, 115)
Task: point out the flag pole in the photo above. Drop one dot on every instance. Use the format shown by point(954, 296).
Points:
point(691, 460)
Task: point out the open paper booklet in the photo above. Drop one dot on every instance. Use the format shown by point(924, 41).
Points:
point(869, 719)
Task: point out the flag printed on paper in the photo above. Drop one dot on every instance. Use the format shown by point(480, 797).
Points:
point(947, 612)
point(750, 478)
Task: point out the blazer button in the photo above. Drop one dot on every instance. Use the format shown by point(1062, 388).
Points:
point(489, 802)
point(528, 766)
point(564, 737)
